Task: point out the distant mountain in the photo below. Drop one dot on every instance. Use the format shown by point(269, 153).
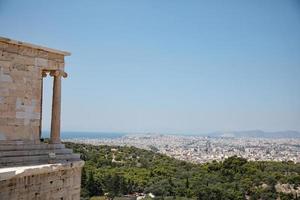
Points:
point(258, 134)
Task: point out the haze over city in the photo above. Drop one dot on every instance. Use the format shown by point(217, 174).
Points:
point(180, 67)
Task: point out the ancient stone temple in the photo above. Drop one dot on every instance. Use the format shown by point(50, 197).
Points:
point(31, 168)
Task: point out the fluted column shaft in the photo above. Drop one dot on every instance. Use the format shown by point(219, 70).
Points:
point(56, 107)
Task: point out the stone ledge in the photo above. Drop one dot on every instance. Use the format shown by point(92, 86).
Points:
point(15, 172)
point(34, 152)
point(19, 147)
point(42, 159)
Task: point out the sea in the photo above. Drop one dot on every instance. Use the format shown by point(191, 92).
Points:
point(90, 135)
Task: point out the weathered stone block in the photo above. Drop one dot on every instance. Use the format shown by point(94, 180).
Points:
point(3, 45)
point(12, 48)
point(30, 52)
point(7, 56)
point(41, 62)
point(42, 54)
point(56, 57)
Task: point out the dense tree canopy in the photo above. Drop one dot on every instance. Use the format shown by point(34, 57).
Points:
point(118, 171)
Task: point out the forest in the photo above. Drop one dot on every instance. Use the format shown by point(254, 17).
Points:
point(116, 171)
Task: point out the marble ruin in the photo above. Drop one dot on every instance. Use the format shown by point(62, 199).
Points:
point(31, 168)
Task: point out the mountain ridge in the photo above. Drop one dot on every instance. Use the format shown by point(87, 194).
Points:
point(257, 134)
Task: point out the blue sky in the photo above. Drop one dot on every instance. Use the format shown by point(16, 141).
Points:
point(168, 66)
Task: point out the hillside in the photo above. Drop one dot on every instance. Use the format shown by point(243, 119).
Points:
point(119, 171)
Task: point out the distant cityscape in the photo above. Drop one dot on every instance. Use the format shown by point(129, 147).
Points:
point(202, 149)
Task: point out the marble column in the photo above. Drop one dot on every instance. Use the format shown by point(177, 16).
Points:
point(56, 106)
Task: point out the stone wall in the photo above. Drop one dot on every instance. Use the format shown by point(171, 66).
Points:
point(62, 184)
point(20, 89)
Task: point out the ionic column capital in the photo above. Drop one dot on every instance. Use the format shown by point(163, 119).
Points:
point(58, 73)
point(44, 74)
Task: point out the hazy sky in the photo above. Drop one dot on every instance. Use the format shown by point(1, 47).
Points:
point(168, 66)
